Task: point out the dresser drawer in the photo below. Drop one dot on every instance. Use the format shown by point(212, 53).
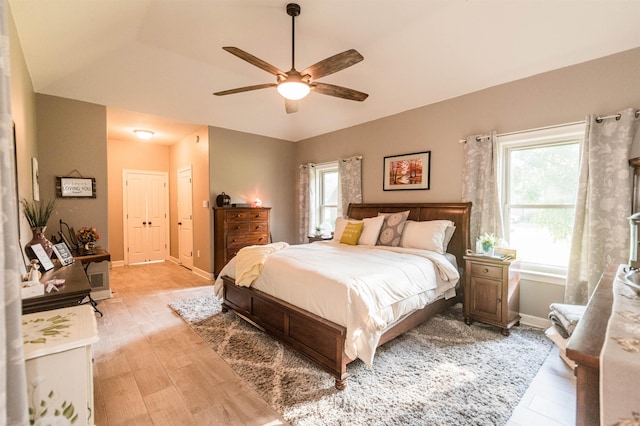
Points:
point(234, 241)
point(260, 227)
point(487, 271)
point(234, 228)
point(237, 216)
point(259, 215)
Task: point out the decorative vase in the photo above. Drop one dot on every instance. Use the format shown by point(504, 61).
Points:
point(88, 247)
point(487, 249)
point(39, 238)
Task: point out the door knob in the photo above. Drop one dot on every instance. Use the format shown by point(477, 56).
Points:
point(144, 223)
point(179, 223)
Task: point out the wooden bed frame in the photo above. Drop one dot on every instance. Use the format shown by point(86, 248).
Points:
point(322, 341)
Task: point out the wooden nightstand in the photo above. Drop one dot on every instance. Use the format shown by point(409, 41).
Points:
point(492, 291)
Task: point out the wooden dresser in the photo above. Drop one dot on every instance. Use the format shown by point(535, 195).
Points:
point(584, 348)
point(237, 227)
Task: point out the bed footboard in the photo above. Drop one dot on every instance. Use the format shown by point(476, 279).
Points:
point(318, 339)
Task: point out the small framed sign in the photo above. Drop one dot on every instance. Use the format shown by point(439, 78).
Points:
point(63, 253)
point(45, 261)
point(75, 187)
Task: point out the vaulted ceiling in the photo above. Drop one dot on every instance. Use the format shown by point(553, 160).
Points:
point(163, 59)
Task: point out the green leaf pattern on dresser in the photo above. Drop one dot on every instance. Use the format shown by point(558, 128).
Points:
point(39, 329)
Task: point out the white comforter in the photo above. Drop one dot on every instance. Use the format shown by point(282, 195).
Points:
point(364, 288)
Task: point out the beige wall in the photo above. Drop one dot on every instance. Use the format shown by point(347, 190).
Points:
point(72, 141)
point(603, 86)
point(193, 151)
point(123, 155)
point(23, 112)
point(247, 166)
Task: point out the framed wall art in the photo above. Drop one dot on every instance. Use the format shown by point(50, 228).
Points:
point(407, 171)
point(75, 187)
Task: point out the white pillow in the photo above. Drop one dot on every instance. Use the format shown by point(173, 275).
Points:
point(370, 230)
point(427, 235)
point(341, 222)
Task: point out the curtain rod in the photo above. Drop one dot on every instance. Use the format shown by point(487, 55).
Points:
point(598, 120)
point(483, 137)
point(616, 116)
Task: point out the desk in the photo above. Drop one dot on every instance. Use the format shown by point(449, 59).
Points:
point(76, 287)
point(584, 348)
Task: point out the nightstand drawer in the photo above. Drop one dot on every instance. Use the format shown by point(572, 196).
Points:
point(487, 271)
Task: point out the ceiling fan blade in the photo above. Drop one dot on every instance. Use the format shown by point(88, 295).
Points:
point(291, 106)
point(245, 89)
point(333, 64)
point(254, 60)
point(339, 92)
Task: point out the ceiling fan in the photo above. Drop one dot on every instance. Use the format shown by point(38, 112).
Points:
point(294, 85)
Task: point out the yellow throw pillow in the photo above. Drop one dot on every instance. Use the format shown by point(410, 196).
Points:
point(351, 233)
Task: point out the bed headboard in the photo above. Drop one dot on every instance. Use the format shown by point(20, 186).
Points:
point(459, 213)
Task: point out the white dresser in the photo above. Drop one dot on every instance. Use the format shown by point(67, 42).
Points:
point(57, 350)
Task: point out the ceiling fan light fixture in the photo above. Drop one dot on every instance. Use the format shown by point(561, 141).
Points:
point(293, 90)
point(143, 134)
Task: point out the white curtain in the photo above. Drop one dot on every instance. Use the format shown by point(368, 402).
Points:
point(306, 200)
point(350, 189)
point(601, 227)
point(13, 392)
point(480, 185)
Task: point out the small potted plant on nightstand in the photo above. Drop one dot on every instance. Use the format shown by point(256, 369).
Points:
point(487, 243)
point(318, 231)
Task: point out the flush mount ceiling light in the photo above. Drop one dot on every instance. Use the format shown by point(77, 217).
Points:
point(295, 85)
point(143, 134)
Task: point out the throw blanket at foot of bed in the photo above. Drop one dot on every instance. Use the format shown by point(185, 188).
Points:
point(250, 261)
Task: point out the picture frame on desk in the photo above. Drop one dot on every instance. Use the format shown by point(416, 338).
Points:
point(63, 253)
point(43, 258)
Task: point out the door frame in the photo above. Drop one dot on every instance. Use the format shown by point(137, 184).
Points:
point(125, 210)
point(179, 171)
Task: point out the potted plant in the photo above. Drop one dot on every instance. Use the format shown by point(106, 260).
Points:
point(87, 238)
point(318, 231)
point(38, 214)
point(487, 242)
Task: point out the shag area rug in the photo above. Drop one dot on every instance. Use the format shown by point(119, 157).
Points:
point(443, 372)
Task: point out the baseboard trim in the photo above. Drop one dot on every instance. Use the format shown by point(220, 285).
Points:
point(534, 321)
point(199, 272)
point(117, 263)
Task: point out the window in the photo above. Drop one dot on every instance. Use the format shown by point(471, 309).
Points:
point(539, 186)
point(326, 195)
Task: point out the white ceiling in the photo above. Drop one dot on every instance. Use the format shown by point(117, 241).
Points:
point(164, 58)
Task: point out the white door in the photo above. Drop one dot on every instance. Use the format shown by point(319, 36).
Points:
point(145, 216)
point(185, 217)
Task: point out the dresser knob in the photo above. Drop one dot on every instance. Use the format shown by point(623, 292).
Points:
point(261, 238)
point(237, 227)
point(485, 270)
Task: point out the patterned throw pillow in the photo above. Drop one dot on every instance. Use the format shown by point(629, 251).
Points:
point(351, 233)
point(392, 228)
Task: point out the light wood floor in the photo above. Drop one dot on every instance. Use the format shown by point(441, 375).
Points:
point(152, 369)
